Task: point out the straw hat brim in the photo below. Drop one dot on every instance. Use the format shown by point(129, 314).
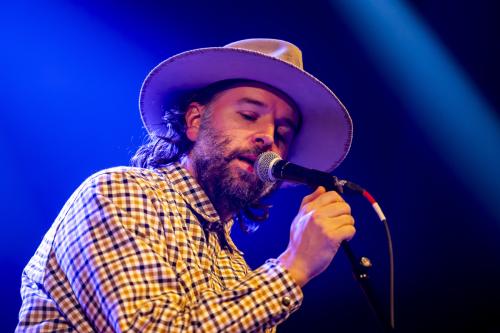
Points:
point(326, 133)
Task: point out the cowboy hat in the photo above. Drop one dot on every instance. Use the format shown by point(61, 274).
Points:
point(326, 131)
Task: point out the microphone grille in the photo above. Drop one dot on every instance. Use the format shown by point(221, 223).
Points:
point(263, 166)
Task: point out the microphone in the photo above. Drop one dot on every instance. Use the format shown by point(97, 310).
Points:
point(270, 167)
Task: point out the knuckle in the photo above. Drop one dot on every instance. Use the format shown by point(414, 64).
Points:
point(315, 214)
point(336, 196)
point(352, 230)
point(307, 208)
point(346, 207)
point(351, 234)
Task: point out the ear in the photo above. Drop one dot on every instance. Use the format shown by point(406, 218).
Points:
point(193, 120)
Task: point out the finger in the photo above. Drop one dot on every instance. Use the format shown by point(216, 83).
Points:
point(313, 196)
point(345, 233)
point(325, 199)
point(333, 210)
point(333, 225)
point(341, 221)
point(336, 228)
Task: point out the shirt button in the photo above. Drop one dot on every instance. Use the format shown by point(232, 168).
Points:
point(286, 301)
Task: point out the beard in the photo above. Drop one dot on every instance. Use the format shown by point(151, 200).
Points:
point(229, 189)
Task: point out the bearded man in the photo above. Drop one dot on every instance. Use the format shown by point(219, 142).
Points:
point(148, 248)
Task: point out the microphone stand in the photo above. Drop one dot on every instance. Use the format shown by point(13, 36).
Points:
point(360, 266)
point(360, 269)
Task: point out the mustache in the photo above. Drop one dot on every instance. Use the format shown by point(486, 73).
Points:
point(252, 151)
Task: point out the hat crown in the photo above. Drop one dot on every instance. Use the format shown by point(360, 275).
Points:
point(275, 48)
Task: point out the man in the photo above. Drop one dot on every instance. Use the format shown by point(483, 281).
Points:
point(148, 249)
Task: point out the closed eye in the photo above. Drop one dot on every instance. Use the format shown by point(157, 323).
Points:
point(248, 116)
point(284, 134)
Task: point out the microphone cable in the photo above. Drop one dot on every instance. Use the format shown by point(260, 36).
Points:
point(355, 188)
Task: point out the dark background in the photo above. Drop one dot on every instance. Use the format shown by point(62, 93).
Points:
point(70, 77)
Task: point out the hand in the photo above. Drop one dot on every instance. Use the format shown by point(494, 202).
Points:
point(323, 222)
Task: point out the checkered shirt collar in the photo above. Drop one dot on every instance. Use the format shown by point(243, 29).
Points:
point(190, 190)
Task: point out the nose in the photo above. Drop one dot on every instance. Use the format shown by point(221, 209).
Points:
point(264, 140)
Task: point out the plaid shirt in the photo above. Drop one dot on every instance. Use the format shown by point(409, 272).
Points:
point(144, 251)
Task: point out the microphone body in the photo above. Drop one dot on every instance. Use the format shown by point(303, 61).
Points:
point(284, 170)
point(270, 167)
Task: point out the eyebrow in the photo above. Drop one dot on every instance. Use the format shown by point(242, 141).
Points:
point(288, 121)
point(246, 100)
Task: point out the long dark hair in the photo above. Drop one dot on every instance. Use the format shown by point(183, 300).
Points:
point(160, 150)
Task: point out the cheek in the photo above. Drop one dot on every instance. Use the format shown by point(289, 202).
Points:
point(224, 141)
point(284, 150)
point(236, 136)
point(232, 145)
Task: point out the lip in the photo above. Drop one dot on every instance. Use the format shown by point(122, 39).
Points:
point(250, 158)
point(247, 160)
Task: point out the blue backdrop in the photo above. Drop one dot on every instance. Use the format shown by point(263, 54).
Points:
point(420, 79)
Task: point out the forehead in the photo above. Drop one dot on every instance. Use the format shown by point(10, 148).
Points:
point(263, 96)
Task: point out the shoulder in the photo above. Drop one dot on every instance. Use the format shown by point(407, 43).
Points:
point(115, 198)
point(123, 181)
point(123, 175)
point(123, 187)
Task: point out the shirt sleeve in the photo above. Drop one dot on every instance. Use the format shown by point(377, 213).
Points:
point(112, 248)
